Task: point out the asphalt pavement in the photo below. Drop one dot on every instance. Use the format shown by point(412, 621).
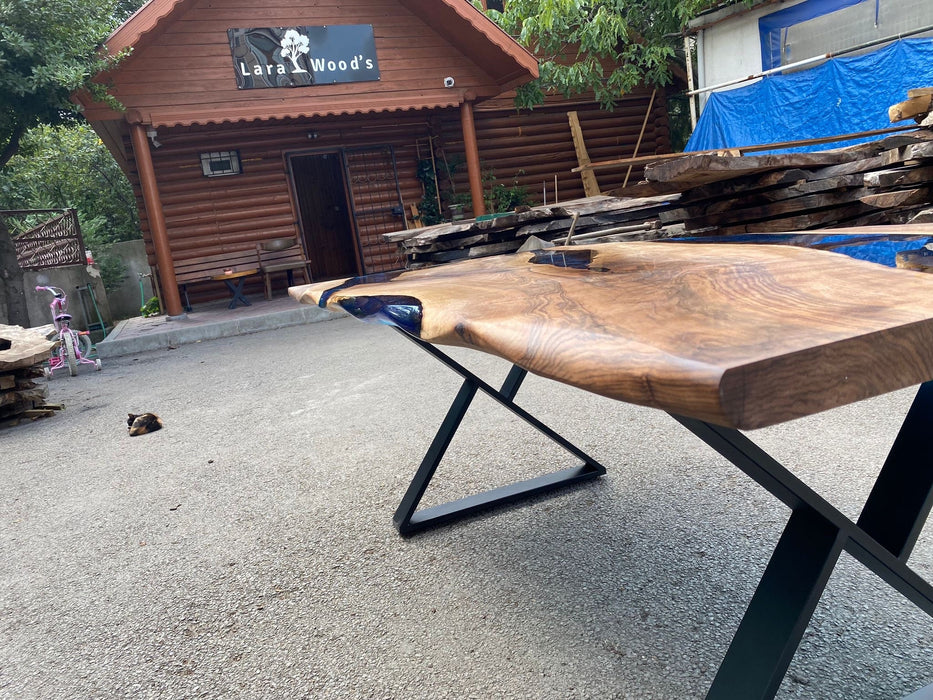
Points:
point(247, 551)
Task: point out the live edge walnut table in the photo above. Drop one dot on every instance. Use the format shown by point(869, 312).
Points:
point(725, 338)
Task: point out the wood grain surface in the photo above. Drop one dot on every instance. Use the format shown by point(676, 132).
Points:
point(735, 334)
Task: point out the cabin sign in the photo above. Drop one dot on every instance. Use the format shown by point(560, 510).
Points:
point(272, 57)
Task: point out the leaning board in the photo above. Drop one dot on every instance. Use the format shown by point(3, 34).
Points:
point(738, 335)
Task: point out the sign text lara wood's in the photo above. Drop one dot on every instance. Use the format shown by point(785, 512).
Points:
point(293, 56)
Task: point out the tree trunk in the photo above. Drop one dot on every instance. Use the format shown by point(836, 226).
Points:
point(12, 295)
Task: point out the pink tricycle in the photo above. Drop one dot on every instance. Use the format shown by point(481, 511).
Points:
point(73, 346)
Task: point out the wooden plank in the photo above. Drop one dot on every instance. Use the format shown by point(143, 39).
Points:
point(895, 218)
point(644, 160)
point(885, 159)
point(806, 204)
point(704, 169)
point(744, 200)
point(919, 260)
point(897, 198)
point(919, 151)
point(738, 335)
point(899, 177)
point(911, 108)
point(27, 348)
point(823, 218)
point(590, 185)
point(925, 216)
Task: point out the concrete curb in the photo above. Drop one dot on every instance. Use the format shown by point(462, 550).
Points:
point(128, 338)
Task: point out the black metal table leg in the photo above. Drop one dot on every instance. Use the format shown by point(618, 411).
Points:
point(236, 289)
point(780, 610)
point(815, 535)
point(901, 499)
point(409, 521)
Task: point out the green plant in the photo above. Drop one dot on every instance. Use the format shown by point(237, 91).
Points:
point(151, 308)
point(427, 208)
point(501, 198)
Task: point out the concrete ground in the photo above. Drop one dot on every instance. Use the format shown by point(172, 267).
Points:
point(246, 550)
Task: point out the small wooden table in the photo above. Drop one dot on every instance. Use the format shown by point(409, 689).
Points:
point(234, 281)
point(724, 337)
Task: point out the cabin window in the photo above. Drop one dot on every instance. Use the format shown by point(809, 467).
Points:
point(217, 163)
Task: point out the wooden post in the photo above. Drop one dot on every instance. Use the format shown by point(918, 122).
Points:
point(688, 52)
point(590, 185)
point(150, 188)
point(472, 158)
point(641, 135)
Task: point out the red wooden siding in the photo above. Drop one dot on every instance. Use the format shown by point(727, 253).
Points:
point(209, 215)
point(185, 74)
point(531, 147)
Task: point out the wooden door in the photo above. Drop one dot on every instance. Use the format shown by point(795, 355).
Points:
point(329, 238)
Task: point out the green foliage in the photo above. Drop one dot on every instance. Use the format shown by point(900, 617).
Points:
point(67, 166)
point(151, 308)
point(428, 210)
point(499, 197)
point(607, 46)
point(47, 51)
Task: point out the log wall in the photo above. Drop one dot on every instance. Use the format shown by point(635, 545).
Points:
point(207, 215)
point(531, 147)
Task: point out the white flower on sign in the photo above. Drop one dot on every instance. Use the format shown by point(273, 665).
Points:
point(294, 46)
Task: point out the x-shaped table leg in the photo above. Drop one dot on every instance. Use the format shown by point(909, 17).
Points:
point(408, 521)
point(812, 541)
point(236, 290)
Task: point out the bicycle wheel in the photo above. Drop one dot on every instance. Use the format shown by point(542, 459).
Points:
point(84, 344)
point(68, 349)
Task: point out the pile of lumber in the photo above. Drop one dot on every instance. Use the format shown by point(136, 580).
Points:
point(22, 351)
point(879, 183)
point(602, 216)
point(883, 182)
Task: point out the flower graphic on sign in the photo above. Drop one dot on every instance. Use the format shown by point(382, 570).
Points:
point(294, 46)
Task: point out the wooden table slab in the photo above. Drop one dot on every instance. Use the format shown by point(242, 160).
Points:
point(738, 335)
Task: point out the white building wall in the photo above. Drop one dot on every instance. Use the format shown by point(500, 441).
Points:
point(732, 48)
point(729, 43)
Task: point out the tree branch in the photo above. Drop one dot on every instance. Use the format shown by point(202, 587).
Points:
point(12, 146)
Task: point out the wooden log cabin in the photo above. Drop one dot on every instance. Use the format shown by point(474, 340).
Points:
point(245, 122)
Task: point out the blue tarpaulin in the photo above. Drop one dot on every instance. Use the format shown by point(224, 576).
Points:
point(841, 96)
point(770, 26)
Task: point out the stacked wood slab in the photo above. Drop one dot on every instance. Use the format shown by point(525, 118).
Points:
point(885, 182)
point(506, 233)
point(21, 353)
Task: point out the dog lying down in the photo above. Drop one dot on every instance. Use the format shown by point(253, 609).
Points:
point(143, 423)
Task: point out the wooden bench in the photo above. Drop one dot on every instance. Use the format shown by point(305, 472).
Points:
point(282, 255)
point(207, 267)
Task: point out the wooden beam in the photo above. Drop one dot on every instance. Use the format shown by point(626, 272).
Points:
point(641, 135)
point(153, 202)
point(472, 158)
point(643, 160)
point(590, 185)
point(914, 107)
